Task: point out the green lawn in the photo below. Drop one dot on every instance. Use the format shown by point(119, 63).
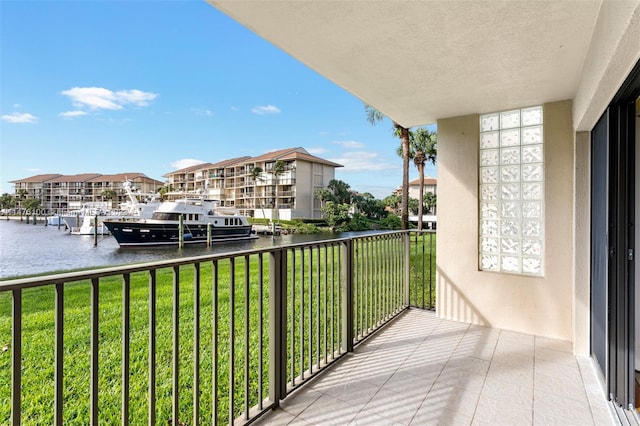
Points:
point(314, 325)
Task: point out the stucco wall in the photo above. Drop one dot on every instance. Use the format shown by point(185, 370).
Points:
point(304, 181)
point(582, 255)
point(613, 51)
point(541, 306)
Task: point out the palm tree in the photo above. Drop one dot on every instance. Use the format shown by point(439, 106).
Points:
point(373, 116)
point(324, 195)
point(430, 201)
point(7, 201)
point(419, 159)
point(21, 194)
point(164, 190)
point(424, 147)
point(276, 171)
point(256, 175)
point(108, 194)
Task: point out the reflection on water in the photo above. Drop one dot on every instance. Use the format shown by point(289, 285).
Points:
point(32, 249)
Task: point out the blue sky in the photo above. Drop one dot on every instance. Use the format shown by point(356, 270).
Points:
point(141, 86)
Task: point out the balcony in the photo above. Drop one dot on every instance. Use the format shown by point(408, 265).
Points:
point(324, 332)
point(423, 370)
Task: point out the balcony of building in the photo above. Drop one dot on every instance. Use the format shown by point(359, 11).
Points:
point(328, 332)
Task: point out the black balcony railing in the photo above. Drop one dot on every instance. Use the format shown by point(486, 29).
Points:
point(216, 339)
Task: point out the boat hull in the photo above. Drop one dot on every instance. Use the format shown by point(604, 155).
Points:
point(143, 234)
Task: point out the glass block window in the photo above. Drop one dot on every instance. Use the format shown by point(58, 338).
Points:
point(511, 192)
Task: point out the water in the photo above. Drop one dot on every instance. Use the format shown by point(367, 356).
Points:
point(32, 249)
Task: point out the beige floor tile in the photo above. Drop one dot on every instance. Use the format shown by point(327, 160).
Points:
point(508, 394)
point(559, 385)
point(355, 392)
point(550, 409)
point(300, 400)
point(329, 410)
point(370, 418)
point(428, 415)
point(275, 418)
point(462, 378)
point(407, 384)
point(395, 406)
point(452, 398)
point(492, 411)
point(470, 364)
point(521, 375)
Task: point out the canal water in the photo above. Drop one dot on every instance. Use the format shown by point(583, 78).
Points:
point(32, 249)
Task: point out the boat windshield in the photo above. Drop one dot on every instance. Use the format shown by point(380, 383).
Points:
point(166, 216)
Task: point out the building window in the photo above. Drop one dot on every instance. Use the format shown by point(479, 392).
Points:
point(512, 192)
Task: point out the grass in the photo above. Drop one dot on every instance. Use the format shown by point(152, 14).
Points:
point(313, 296)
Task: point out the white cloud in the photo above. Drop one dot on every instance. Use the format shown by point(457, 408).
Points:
point(185, 162)
point(316, 150)
point(96, 98)
point(72, 114)
point(202, 111)
point(234, 109)
point(17, 105)
point(364, 161)
point(265, 109)
point(350, 144)
point(19, 117)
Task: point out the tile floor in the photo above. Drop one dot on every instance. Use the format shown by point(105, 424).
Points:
point(422, 370)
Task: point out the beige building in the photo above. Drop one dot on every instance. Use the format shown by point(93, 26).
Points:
point(60, 193)
point(430, 185)
point(231, 181)
point(536, 105)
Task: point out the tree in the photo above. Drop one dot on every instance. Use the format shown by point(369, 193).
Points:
point(413, 205)
point(392, 201)
point(276, 171)
point(370, 207)
point(335, 214)
point(341, 191)
point(374, 116)
point(423, 147)
point(21, 194)
point(430, 200)
point(32, 204)
point(164, 190)
point(256, 175)
point(108, 194)
point(324, 195)
point(392, 221)
point(7, 201)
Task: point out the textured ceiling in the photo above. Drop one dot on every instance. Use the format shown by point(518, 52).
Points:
point(418, 61)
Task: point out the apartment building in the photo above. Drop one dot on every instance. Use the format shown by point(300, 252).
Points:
point(430, 185)
point(286, 195)
point(70, 192)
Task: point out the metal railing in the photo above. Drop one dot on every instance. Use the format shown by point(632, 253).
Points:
point(216, 339)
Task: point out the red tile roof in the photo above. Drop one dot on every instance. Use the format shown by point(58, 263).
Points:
point(428, 180)
point(189, 169)
point(84, 177)
point(294, 154)
point(121, 177)
point(37, 178)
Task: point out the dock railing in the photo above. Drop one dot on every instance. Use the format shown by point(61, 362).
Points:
point(216, 339)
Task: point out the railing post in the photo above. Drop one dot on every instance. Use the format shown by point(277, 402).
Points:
point(277, 326)
point(16, 356)
point(407, 266)
point(347, 295)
